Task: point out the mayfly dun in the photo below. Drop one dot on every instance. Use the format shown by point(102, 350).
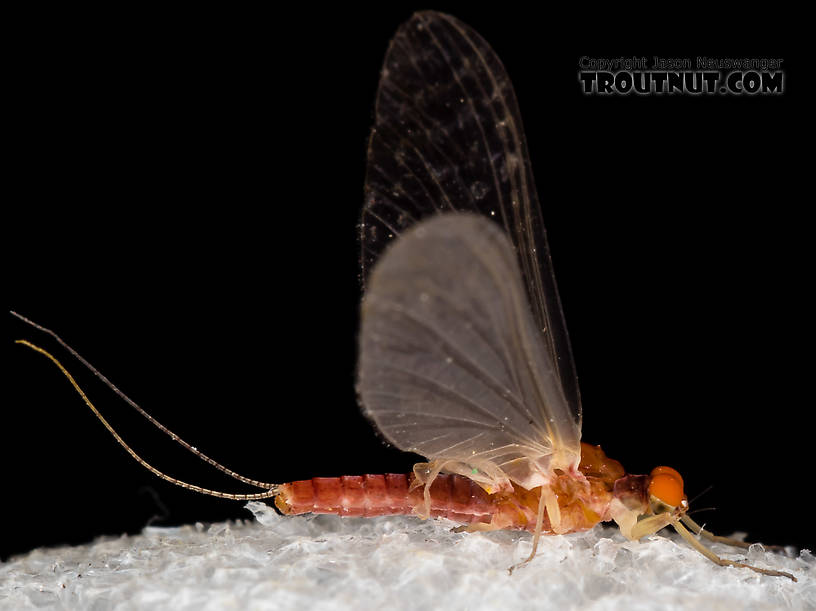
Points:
point(464, 356)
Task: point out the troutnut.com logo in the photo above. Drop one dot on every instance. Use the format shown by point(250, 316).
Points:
point(681, 75)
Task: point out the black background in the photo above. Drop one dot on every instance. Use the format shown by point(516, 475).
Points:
point(185, 194)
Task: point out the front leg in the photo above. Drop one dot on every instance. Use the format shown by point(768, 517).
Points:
point(476, 527)
point(692, 540)
point(699, 530)
point(650, 525)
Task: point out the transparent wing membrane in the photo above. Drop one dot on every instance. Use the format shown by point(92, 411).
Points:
point(448, 137)
point(452, 366)
point(464, 352)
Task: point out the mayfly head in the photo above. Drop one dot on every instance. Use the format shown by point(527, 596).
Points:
point(644, 504)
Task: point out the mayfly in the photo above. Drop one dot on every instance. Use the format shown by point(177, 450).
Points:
point(464, 355)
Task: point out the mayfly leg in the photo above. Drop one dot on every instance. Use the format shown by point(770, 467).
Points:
point(707, 534)
point(692, 540)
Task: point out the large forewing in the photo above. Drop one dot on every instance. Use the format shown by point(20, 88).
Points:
point(448, 136)
point(451, 365)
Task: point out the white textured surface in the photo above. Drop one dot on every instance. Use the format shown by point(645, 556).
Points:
point(325, 562)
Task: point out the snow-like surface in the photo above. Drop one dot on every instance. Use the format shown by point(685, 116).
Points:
point(326, 562)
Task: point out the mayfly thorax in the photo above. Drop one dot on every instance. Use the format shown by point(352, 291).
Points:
point(464, 356)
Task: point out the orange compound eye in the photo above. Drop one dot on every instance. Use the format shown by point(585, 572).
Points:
point(667, 471)
point(667, 485)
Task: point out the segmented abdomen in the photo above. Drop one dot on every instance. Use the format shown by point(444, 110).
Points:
point(452, 496)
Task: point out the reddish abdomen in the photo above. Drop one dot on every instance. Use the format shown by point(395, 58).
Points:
point(452, 496)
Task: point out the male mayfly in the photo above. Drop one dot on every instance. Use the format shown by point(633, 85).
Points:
point(464, 354)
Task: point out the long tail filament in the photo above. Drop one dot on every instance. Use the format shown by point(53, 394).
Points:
point(271, 489)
